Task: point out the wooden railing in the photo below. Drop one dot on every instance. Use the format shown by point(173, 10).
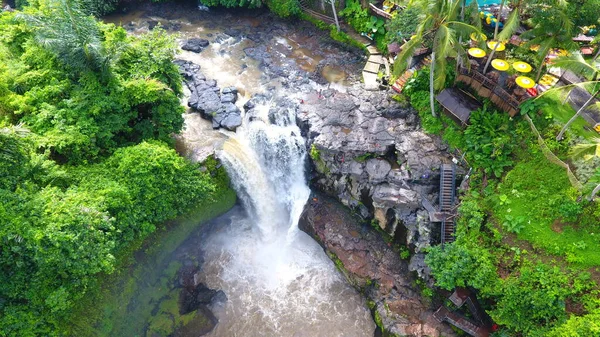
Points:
point(380, 12)
point(497, 93)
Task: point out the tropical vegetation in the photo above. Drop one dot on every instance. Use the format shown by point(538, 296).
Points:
point(87, 165)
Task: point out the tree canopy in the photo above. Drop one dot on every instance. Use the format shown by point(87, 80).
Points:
point(86, 162)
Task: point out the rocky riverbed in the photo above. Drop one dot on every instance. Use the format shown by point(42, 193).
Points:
point(367, 150)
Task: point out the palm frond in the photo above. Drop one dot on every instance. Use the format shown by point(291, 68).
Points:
point(586, 151)
point(567, 88)
point(577, 64)
point(402, 60)
point(510, 26)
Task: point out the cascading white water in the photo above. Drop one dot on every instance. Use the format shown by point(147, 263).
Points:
point(278, 281)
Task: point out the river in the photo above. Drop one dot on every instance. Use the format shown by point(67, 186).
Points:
point(278, 281)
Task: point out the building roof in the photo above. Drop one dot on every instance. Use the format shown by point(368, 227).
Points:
point(458, 103)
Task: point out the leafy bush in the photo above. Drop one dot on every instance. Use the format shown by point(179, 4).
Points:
point(536, 298)
point(403, 25)
point(62, 225)
point(356, 16)
point(490, 141)
point(120, 94)
point(284, 8)
point(460, 265)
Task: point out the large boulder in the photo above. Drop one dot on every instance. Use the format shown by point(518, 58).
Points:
point(206, 97)
point(195, 45)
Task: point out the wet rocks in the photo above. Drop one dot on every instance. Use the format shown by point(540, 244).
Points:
point(372, 266)
point(374, 158)
point(195, 45)
point(206, 97)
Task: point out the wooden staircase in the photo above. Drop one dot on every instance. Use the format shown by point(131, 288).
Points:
point(398, 86)
point(447, 196)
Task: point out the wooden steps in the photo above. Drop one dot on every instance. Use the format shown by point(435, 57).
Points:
point(447, 195)
point(398, 86)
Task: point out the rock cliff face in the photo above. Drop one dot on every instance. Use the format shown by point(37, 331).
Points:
point(369, 152)
point(371, 265)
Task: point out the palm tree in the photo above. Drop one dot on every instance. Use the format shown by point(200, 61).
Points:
point(510, 27)
point(553, 29)
point(64, 29)
point(588, 151)
point(441, 29)
point(590, 70)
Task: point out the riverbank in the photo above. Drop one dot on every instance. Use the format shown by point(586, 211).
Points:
point(128, 300)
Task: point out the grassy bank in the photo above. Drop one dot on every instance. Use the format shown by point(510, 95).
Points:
point(525, 236)
point(125, 300)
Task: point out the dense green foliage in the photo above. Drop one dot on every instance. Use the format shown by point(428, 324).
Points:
point(403, 25)
point(515, 189)
point(88, 171)
point(584, 12)
point(87, 91)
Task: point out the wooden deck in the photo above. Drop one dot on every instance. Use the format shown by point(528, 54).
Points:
point(461, 322)
point(488, 88)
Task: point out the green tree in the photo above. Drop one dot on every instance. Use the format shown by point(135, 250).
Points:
point(552, 28)
point(64, 29)
point(440, 29)
point(590, 70)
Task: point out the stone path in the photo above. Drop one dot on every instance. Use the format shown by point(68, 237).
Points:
point(371, 70)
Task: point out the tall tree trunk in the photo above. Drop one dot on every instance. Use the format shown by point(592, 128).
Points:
point(487, 64)
point(597, 53)
point(462, 19)
point(431, 70)
point(337, 23)
point(594, 192)
point(585, 105)
point(539, 72)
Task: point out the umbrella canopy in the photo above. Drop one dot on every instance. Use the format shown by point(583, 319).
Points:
point(476, 52)
point(522, 67)
point(500, 64)
point(481, 37)
point(525, 82)
point(492, 45)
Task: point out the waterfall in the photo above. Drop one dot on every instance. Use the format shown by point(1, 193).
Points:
point(278, 280)
point(266, 158)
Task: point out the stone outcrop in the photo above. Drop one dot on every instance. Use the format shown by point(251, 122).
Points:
point(372, 265)
point(372, 155)
point(195, 45)
point(208, 99)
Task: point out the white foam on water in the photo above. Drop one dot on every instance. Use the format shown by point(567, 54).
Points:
point(278, 280)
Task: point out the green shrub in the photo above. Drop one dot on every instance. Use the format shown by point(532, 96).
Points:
point(461, 265)
point(490, 141)
point(284, 8)
point(403, 25)
point(356, 16)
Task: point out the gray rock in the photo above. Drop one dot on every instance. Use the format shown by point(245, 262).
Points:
point(231, 122)
point(228, 98)
point(378, 169)
point(208, 103)
point(195, 45)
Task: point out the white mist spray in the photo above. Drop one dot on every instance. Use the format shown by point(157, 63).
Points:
point(278, 281)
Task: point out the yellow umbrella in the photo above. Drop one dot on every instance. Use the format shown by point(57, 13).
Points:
point(492, 45)
point(476, 52)
point(481, 36)
point(522, 67)
point(500, 64)
point(525, 82)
